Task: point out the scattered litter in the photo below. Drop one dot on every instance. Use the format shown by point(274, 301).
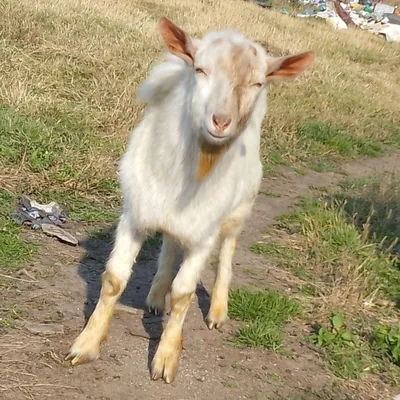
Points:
point(393, 19)
point(53, 230)
point(337, 23)
point(306, 13)
point(392, 32)
point(47, 217)
point(384, 8)
point(284, 11)
point(378, 18)
point(263, 3)
point(45, 329)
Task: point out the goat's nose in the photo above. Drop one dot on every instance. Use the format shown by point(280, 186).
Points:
point(221, 121)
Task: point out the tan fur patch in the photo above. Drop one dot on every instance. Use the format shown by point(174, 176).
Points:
point(230, 227)
point(110, 284)
point(208, 158)
point(239, 65)
point(179, 304)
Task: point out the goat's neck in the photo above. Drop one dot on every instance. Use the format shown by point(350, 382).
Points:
point(208, 157)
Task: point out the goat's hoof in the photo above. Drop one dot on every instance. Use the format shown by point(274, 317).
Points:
point(84, 349)
point(155, 311)
point(165, 364)
point(216, 320)
point(155, 304)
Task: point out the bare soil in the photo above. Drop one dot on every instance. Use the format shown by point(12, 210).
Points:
point(66, 288)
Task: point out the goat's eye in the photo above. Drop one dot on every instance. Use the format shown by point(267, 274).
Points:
point(257, 85)
point(200, 71)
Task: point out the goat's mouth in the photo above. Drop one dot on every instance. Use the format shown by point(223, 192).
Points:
point(217, 136)
point(217, 139)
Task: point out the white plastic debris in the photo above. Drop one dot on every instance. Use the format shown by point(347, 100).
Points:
point(384, 8)
point(392, 32)
point(337, 23)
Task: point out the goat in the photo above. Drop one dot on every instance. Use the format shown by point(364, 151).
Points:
point(191, 171)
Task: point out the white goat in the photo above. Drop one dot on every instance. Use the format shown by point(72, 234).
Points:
point(192, 172)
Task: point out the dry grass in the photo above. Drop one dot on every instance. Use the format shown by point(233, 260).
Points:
point(70, 68)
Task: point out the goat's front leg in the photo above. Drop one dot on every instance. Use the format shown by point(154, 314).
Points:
point(163, 278)
point(118, 270)
point(166, 359)
point(218, 312)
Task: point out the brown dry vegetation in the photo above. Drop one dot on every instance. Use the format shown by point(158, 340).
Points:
point(73, 67)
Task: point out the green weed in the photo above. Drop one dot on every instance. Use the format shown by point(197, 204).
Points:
point(385, 341)
point(342, 347)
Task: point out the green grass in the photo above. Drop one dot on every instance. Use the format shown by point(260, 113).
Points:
point(345, 244)
point(272, 249)
point(14, 252)
point(338, 251)
point(328, 137)
point(373, 205)
point(43, 142)
point(323, 166)
point(264, 313)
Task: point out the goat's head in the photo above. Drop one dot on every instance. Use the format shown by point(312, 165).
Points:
point(230, 72)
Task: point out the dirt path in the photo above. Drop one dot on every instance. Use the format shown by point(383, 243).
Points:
point(67, 287)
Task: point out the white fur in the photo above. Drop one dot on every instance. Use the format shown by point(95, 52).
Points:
point(161, 192)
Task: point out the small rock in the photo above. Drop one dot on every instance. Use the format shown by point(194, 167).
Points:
point(129, 310)
point(45, 329)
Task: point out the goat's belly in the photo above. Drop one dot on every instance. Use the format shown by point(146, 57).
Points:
point(190, 224)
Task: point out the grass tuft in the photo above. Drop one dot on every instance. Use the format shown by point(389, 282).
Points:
point(265, 313)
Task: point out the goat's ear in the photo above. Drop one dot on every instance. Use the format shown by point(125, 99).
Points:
point(288, 67)
point(177, 41)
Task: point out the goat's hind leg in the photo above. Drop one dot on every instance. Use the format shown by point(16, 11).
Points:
point(166, 359)
point(230, 229)
point(218, 312)
point(162, 280)
point(118, 270)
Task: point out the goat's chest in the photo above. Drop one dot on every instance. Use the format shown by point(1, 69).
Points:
point(188, 210)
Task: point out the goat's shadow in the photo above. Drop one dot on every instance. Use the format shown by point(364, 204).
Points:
point(97, 250)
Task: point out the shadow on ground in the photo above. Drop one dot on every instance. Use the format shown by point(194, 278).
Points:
point(97, 250)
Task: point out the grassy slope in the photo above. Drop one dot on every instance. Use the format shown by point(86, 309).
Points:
point(69, 71)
